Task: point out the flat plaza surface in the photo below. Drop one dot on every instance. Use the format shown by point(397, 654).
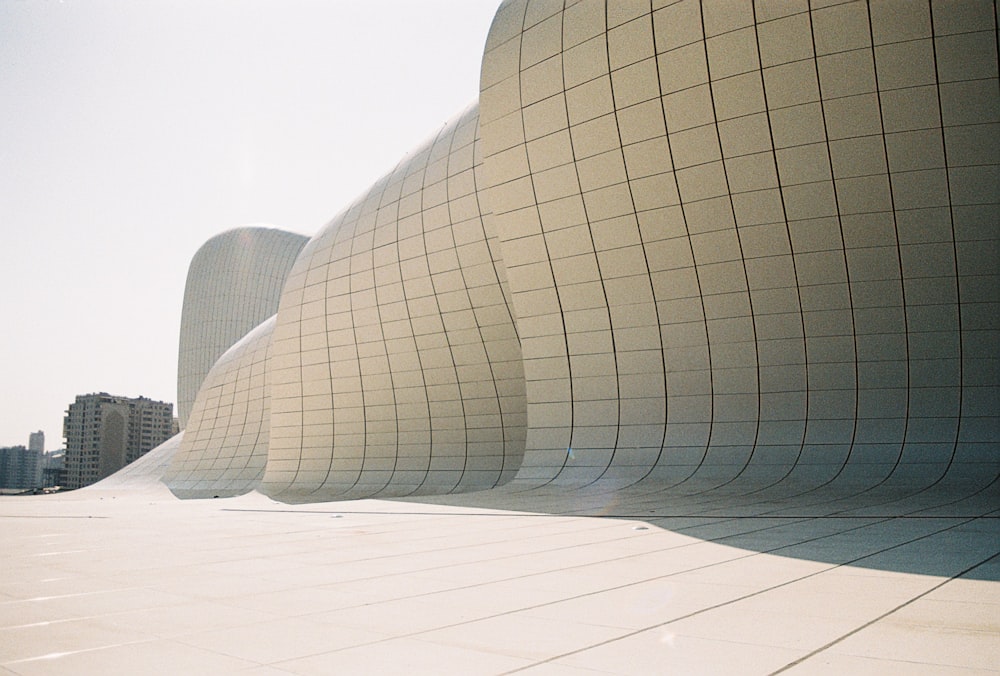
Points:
point(134, 581)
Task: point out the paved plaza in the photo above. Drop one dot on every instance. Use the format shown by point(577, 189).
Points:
point(124, 578)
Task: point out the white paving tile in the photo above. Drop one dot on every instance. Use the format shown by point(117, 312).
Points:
point(413, 587)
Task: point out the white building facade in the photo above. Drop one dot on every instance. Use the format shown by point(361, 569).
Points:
point(696, 247)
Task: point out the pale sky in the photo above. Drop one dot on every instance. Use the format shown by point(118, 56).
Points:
point(133, 131)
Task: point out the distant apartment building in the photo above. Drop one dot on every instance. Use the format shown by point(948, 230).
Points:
point(20, 467)
point(36, 442)
point(105, 432)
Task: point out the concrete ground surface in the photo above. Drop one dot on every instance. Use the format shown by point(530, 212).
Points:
point(134, 581)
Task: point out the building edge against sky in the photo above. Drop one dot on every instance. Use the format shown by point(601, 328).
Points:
point(697, 246)
point(233, 284)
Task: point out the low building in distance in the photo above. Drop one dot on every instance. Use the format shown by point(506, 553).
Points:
point(54, 469)
point(105, 432)
point(20, 468)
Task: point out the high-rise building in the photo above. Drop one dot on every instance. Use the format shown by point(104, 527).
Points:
point(105, 432)
point(36, 441)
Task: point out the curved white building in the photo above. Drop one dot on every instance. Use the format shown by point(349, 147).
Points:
point(692, 248)
point(233, 284)
point(225, 447)
point(397, 368)
point(748, 244)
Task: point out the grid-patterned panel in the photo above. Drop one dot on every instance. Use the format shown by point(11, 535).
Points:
point(750, 246)
point(396, 366)
point(224, 448)
point(234, 283)
point(749, 242)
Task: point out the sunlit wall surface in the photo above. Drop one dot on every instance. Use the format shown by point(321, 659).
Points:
point(693, 245)
point(749, 241)
point(396, 367)
point(233, 284)
point(225, 447)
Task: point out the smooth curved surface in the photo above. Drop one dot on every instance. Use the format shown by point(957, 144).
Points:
point(225, 446)
point(234, 283)
point(396, 367)
point(751, 256)
point(145, 473)
point(748, 250)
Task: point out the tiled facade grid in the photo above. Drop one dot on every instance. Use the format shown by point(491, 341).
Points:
point(767, 217)
point(682, 245)
point(705, 295)
point(234, 283)
point(224, 450)
point(394, 345)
